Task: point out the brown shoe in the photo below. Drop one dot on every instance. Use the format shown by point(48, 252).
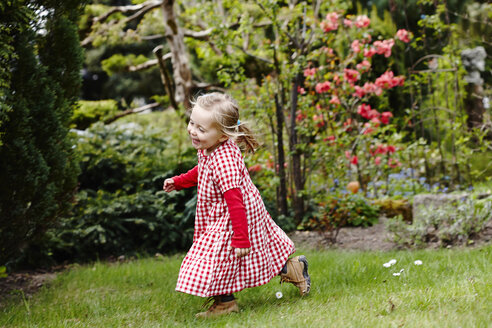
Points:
point(219, 308)
point(295, 271)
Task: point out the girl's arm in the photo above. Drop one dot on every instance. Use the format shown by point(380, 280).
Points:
point(237, 212)
point(185, 180)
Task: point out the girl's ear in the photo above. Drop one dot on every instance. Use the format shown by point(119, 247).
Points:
point(223, 138)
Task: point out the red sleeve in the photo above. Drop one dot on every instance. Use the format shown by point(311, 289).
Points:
point(186, 180)
point(237, 212)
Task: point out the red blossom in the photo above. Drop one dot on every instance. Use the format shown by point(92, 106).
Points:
point(370, 87)
point(384, 47)
point(334, 100)
point(369, 52)
point(387, 80)
point(309, 72)
point(330, 23)
point(390, 149)
point(364, 65)
point(355, 46)
point(323, 87)
point(301, 90)
point(359, 92)
point(381, 150)
point(364, 111)
point(362, 21)
point(351, 75)
point(385, 117)
point(403, 35)
point(354, 160)
point(367, 128)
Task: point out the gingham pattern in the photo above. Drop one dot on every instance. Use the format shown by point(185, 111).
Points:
point(211, 268)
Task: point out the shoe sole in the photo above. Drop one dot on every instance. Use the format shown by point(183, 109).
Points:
point(305, 273)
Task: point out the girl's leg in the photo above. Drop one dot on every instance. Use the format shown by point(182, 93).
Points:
point(295, 271)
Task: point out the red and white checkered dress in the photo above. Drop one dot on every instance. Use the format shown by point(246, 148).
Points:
point(211, 268)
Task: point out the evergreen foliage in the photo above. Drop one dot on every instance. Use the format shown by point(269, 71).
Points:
point(37, 168)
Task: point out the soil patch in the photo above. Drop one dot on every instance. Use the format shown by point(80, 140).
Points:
point(374, 238)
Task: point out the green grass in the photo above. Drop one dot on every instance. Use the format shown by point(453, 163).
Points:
point(350, 289)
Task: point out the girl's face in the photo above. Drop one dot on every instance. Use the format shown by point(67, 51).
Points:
point(203, 132)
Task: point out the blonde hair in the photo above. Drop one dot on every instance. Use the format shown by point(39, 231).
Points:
point(226, 115)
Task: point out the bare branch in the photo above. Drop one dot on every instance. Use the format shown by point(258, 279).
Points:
point(132, 111)
point(148, 64)
point(128, 9)
point(151, 5)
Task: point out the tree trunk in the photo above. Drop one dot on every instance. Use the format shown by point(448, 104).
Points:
point(183, 82)
point(282, 190)
point(296, 156)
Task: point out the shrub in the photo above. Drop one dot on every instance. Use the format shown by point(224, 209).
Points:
point(89, 112)
point(337, 211)
point(449, 224)
point(120, 207)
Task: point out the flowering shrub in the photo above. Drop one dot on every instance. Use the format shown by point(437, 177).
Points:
point(343, 107)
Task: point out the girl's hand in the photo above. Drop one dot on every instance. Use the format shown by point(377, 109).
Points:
point(240, 252)
point(169, 185)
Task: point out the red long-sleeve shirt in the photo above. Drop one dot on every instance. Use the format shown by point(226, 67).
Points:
point(235, 205)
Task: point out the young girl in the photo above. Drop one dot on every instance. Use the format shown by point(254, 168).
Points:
point(236, 244)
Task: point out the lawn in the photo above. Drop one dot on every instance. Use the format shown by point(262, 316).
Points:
point(452, 288)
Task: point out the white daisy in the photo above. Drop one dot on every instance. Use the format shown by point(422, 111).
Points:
point(418, 262)
point(392, 262)
point(387, 265)
point(279, 295)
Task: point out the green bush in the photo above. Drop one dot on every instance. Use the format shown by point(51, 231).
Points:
point(89, 112)
point(340, 210)
point(449, 224)
point(39, 85)
point(120, 207)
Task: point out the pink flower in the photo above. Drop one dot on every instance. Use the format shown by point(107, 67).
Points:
point(356, 46)
point(347, 154)
point(369, 52)
point(347, 22)
point(359, 92)
point(385, 117)
point(334, 100)
point(362, 21)
point(367, 129)
point(309, 72)
point(385, 81)
point(391, 149)
point(381, 149)
point(377, 160)
point(351, 75)
point(331, 22)
point(323, 87)
point(384, 47)
point(403, 35)
point(301, 90)
point(364, 65)
point(373, 115)
point(364, 111)
point(370, 87)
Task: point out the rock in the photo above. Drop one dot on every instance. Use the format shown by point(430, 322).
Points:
point(434, 201)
